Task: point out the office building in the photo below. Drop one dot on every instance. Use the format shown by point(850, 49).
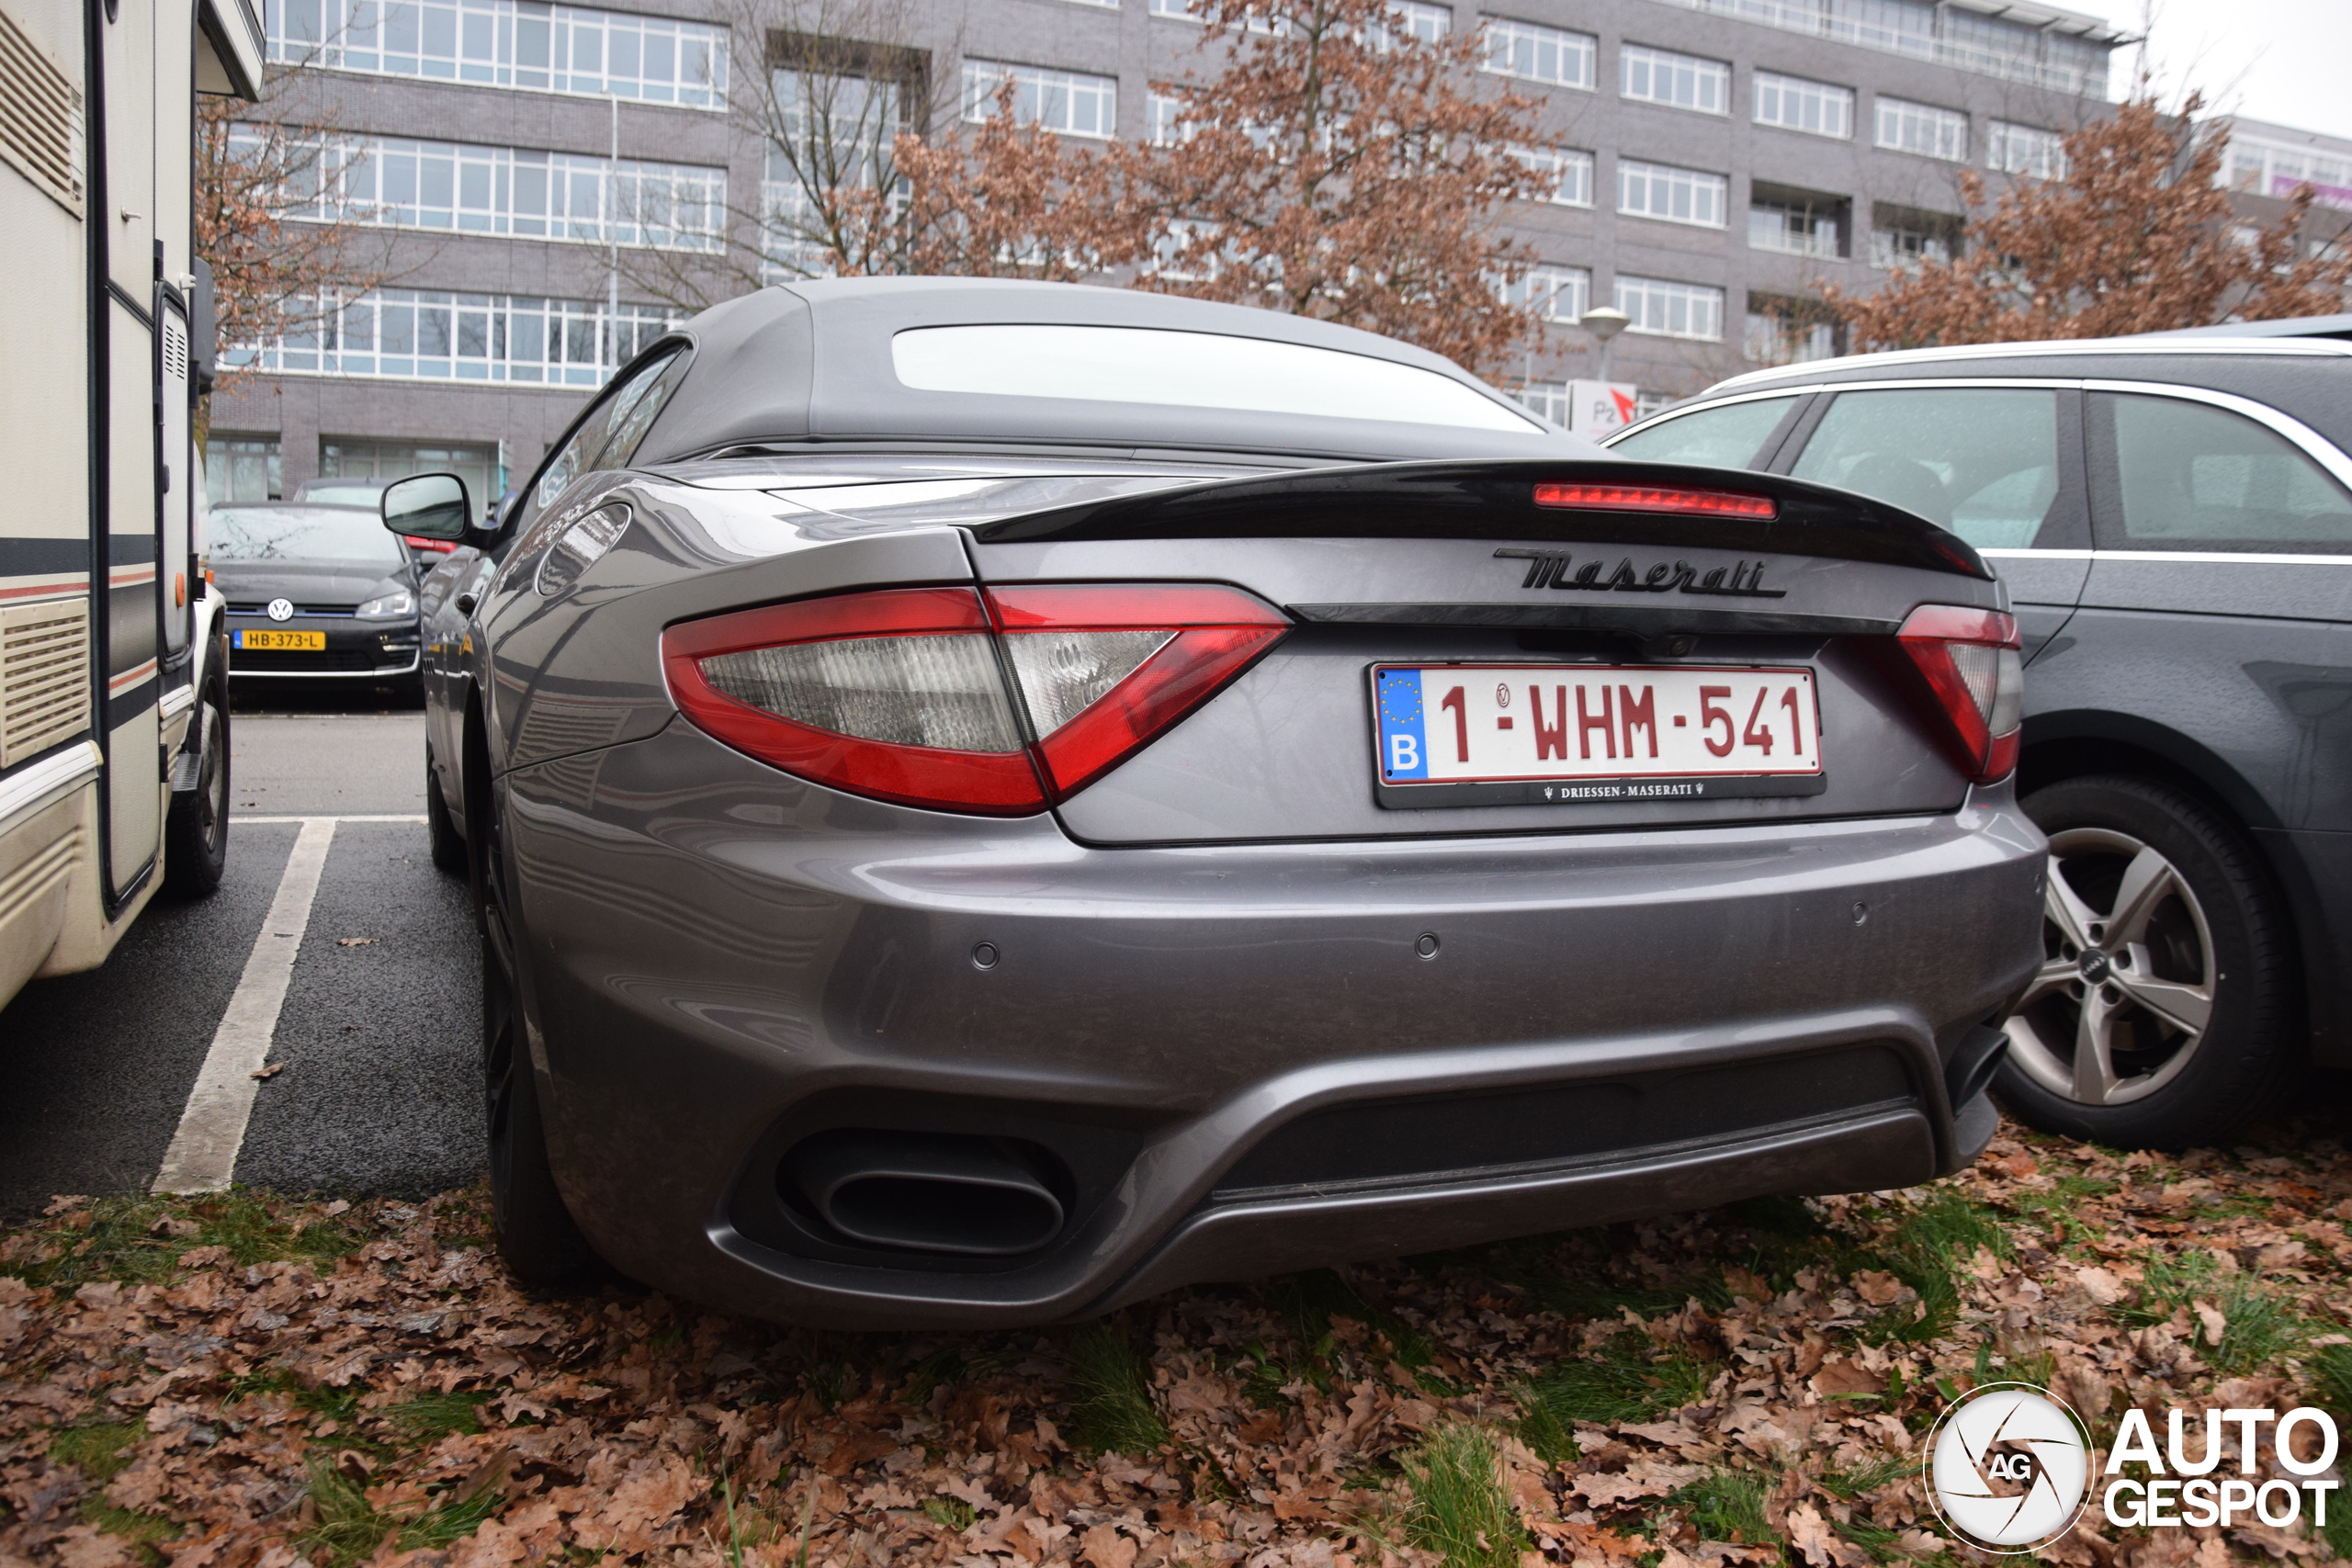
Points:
point(526, 168)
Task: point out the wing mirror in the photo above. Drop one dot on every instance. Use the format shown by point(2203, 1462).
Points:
point(430, 506)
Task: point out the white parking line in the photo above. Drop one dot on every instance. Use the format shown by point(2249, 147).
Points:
point(419, 818)
point(203, 1156)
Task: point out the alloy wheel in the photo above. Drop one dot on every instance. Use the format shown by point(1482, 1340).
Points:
point(2125, 993)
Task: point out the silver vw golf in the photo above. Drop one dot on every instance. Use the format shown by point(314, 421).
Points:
point(987, 801)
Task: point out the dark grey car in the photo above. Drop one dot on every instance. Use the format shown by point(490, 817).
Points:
point(315, 591)
point(2171, 518)
point(990, 801)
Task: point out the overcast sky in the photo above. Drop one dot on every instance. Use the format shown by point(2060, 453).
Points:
point(2283, 61)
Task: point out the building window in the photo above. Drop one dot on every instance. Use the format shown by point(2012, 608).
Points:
point(1664, 309)
point(346, 457)
point(1794, 104)
point(1920, 127)
point(1568, 173)
point(1554, 292)
point(508, 43)
point(2275, 169)
point(1070, 102)
point(1430, 24)
point(1783, 337)
point(1549, 399)
point(242, 468)
point(1793, 230)
point(1164, 124)
point(2024, 150)
point(1994, 46)
point(1534, 53)
point(395, 183)
point(835, 109)
point(1671, 195)
point(1682, 81)
point(1903, 237)
point(415, 334)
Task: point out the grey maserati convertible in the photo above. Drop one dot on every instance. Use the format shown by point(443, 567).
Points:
point(987, 801)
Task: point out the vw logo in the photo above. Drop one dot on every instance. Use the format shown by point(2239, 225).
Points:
point(281, 609)
point(2009, 1468)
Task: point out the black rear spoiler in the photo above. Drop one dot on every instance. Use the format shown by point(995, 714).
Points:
point(1478, 500)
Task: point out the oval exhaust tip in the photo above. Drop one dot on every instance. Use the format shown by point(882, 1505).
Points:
point(927, 1191)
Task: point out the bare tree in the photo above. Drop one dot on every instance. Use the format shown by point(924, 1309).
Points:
point(2136, 235)
point(837, 85)
point(256, 165)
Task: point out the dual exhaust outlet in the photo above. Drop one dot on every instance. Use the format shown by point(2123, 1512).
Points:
point(936, 1192)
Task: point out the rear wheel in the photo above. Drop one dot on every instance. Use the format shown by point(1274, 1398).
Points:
point(449, 844)
point(541, 1242)
point(196, 834)
point(2163, 1015)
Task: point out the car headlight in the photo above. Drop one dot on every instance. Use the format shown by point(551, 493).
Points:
point(392, 605)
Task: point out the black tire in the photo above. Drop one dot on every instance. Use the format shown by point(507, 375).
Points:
point(449, 844)
point(196, 831)
point(2179, 1038)
point(541, 1242)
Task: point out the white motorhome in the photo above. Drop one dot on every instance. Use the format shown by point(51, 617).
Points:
point(113, 710)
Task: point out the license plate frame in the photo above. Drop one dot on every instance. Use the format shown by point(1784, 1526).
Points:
point(270, 639)
point(1670, 778)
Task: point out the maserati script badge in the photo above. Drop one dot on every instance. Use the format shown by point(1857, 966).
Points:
point(1549, 569)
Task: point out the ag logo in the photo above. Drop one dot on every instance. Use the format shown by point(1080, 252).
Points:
point(2007, 1468)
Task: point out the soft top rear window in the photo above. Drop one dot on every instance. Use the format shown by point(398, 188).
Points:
point(1184, 370)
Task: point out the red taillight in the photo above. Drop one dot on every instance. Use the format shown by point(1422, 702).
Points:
point(1657, 498)
point(902, 693)
point(439, 546)
point(1104, 668)
point(1971, 662)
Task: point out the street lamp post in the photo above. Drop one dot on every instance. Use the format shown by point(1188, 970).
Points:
point(1603, 323)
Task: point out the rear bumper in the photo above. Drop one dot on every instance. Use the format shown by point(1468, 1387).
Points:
point(1238, 1052)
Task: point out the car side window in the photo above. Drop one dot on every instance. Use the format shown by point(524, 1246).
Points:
point(609, 436)
point(1982, 461)
point(1731, 436)
point(2186, 476)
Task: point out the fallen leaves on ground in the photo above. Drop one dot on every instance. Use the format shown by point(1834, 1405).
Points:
point(244, 1381)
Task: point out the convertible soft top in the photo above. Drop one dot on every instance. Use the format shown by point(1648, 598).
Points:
point(821, 361)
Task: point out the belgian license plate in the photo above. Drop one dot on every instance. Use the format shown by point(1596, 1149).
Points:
point(1506, 734)
point(261, 639)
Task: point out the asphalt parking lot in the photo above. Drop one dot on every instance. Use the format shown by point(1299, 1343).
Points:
point(376, 1089)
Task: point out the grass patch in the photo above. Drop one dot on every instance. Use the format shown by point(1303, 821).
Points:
point(1310, 1301)
point(347, 1529)
point(100, 1453)
point(140, 1239)
point(1459, 1509)
point(1628, 1379)
point(1726, 1505)
point(1111, 1407)
point(429, 1417)
point(1929, 1245)
point(952, 1513)
point(2331, 1374)
point(2258, 1327)
point(1864, 1479)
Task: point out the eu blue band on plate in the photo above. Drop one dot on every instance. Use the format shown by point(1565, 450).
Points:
point(1404, 750)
